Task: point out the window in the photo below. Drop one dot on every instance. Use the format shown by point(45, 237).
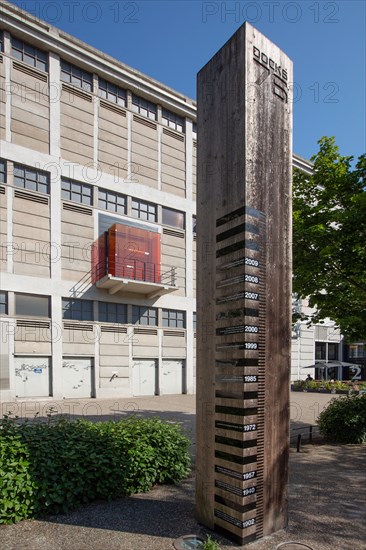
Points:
point(194, 320)
point(194, 224)
point(32, 179)
point(112, 92)
point(30, 304)
point(173, 218)
point(2, 171)
point(173, 121)
point(194, 130)
point(29, 54)
point(114, 202)
point(112, 313)
point(77, 192)
point(3, 302)
point(173, 318)
point(1, 41)
point(142, 315)
point(326, 351)
point(144, 210)
point(77, 77)
point(144, 107)
point(77, 310)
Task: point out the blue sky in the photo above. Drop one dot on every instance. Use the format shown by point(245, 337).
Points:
point(172, 40)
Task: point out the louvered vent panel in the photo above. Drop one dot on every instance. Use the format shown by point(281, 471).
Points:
point(178, 137)
point(30, 197)
point(29, 71)
point(78, 209)
point(78, 326)
point(113, 108)
point(28, 323)
point(2, 190)
point(173, 233)
point(150, 331)
point(112, 328)
point(176, 333)
point(144, 122)
point(77, 92)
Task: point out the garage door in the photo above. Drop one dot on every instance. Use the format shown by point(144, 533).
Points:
point(77, 374)
point(144, 377)
point(171, 377)
point(32, 376)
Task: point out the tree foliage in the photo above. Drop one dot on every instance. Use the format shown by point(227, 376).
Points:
point(329, 238)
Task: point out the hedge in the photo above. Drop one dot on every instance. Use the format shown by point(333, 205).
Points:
point(53, 467)
point(344, 419)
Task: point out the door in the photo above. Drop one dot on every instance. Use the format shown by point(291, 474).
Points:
point(32, 376)
point(77, 374)
point(171, 377)
point(144, 377)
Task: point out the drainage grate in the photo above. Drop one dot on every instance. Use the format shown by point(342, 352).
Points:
point(188, 542)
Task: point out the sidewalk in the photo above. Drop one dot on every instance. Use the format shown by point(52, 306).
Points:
point(327, 502)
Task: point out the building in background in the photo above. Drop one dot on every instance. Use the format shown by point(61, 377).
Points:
point(98, 205)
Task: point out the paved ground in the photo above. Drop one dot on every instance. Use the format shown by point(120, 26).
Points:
point(327, 501)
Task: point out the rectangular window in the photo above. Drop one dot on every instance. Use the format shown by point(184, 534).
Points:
point(194, 130)
point(32, 179)
point(29, 54)
point(174, 318)
point(1, 41)
point(2, 171)
point(144, 107)
point(173, 121)
point(173, 218)
point(144, 210)
point(194, 224)
point(114, 202)
point(142, 315)
point(320, 351)
point(77, 192)
point(77, 77)
point(77, 310)
point(194, 320)
point(333, 352)
point(111, 92)
point(112, 313)
point(3, 302)
point(32, 305)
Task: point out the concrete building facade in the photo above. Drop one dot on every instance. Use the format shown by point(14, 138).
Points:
point(97, 208)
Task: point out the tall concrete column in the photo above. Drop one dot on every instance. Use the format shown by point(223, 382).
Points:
point(244, 287)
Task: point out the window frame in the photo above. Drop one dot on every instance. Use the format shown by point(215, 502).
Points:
point(150, 313)
point(109, 306)
point(70, 182)
point(170, 318)
point(4, 302)
point(119, 93)
point(138, 210)
point(115, 203)
point(165, 209)
point(28, 181)
point(32, 296)
point(173, 120)
point(3, 172)
point(139, 104)
point(25, 56)
point(86, 306)
point(76, 73)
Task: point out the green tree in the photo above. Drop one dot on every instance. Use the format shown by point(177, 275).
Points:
point(329, 239)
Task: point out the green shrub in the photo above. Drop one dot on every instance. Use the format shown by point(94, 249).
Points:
point(53, 467)
point(344, 419)
point(17, 487)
